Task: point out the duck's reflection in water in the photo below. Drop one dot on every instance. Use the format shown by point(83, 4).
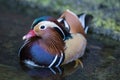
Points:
point(57, 73)
point(37, 73)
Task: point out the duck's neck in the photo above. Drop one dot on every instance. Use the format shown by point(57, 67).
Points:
point(52, 43)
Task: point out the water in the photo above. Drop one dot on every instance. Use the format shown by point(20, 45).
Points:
point(101, 60)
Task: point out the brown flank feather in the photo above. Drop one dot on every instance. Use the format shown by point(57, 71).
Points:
point(73, 21)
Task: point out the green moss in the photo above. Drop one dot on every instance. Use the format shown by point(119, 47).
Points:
point(106, 13)
point(107, 24)
point(45, 2)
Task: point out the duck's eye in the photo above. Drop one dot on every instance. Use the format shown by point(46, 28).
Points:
point(42, 27)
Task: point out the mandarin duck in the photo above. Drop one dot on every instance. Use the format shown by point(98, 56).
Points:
point(53, 42)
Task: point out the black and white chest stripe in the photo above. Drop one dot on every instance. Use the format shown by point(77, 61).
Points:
point(58, 59)
point(63, 21)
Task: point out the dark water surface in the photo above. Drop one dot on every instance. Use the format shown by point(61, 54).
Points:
point(101, 60)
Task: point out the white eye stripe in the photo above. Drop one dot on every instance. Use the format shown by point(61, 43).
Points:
point(50, 24)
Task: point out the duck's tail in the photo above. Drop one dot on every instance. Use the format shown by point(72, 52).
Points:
point(85, 20)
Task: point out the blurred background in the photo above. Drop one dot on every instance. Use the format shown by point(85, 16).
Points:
point(106, 12)
point(102, 58)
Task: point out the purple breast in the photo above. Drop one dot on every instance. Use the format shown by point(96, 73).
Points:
point(33, 54)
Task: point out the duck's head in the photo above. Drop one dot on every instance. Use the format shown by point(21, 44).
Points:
point(45, 27)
